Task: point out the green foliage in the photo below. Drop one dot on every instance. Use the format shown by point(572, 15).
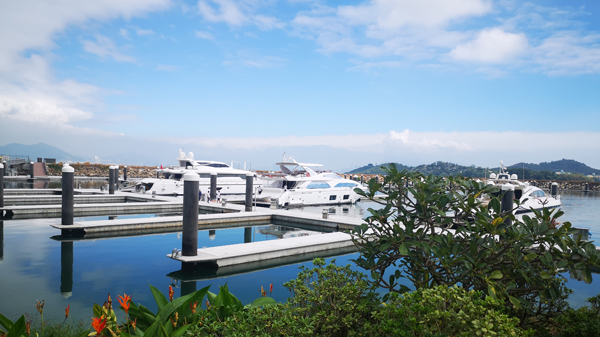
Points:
point(436, 231)
point(582, 322)
point(326, 301)
point(443, 311)
point(335, 298)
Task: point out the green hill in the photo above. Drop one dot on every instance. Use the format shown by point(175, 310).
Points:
point(574, 170)
point(563, 165)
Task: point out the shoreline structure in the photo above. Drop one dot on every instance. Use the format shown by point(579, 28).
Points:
point(138, 172)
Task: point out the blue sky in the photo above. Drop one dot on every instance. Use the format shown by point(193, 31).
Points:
point(345, 83)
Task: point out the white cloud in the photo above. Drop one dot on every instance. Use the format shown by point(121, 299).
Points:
point(105, 48)
point(124, 33)
point(491, 46)
point(405, 28)
point(28, 89)
point(236, 14)
point(204, 35)
point(569, 53)
point(394, 14)
point(228, 12)
point(144, 32)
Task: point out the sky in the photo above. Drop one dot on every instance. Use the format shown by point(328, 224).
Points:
point(343, 83)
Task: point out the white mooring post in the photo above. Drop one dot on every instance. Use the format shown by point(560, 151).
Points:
point(554, 189)
point(68, 185)
point(189, 239)
point(507, 203)
point(249, 189)
point(1, 188)
point(111, 179)
point(213, 186)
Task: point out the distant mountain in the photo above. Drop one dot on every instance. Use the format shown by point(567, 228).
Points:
point(40, 150)
point(575, 170)
point(376, 169)
point(564, 165)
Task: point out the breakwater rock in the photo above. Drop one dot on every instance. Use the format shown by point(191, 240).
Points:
point(101, 170)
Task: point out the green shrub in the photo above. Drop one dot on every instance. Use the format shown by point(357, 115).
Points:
point(443, 311)
point(583, 322)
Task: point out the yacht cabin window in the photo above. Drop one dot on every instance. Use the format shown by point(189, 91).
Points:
point(318, 185)
point(345, 185)
point(332, 176)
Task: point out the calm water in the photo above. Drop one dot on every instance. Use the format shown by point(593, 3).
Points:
point(36, 267)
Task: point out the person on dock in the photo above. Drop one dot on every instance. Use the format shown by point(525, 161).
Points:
point(199, 195)
point(208, 196)
point(218, 196)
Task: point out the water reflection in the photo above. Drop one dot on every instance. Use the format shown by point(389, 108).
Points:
point(66, 269)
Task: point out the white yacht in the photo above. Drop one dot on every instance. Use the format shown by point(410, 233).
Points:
point(530, 197)
point(230, 182)
point(301, 186)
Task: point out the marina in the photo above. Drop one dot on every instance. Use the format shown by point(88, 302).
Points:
point(243, 247)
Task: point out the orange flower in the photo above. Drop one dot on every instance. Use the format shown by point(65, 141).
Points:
point(270, 288)
point(40, 306)
point(99, 323)
point(134, 324)
point(67, 310)
point(174, 322)
point(27, 328)
point(193, 306)
point(263, 292)
point(171, 293)
point(125, 302)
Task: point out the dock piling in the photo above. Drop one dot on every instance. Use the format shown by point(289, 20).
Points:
point(31, 175)
point(506, 204)
point(213, 186)
point(68, 195)
point(1, 188)
point(125, 173)
point(554, 189)
point(1, 240)
point(587, 187)
point(111, 180)
point(189, 239)
point(249, 189)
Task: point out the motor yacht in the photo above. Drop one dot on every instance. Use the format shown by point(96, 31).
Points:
point(530, 197)
point(301, 185)
point(230, 182)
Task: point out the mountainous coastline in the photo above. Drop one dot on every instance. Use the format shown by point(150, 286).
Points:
point(564, 169)
point(39, 150)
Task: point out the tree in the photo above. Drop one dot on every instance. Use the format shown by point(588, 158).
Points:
point(437, 231)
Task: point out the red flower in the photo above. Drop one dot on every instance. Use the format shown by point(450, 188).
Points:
point(99, 323)
point(67, 310)
point(27, 328)
point(193, 307)
point(270, 288)
point(171, 293)
point(125, 302)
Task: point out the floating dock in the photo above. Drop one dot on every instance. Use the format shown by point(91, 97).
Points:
point(244, 253)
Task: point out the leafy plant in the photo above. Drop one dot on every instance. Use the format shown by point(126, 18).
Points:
point(437, 231)
point(444, 311)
